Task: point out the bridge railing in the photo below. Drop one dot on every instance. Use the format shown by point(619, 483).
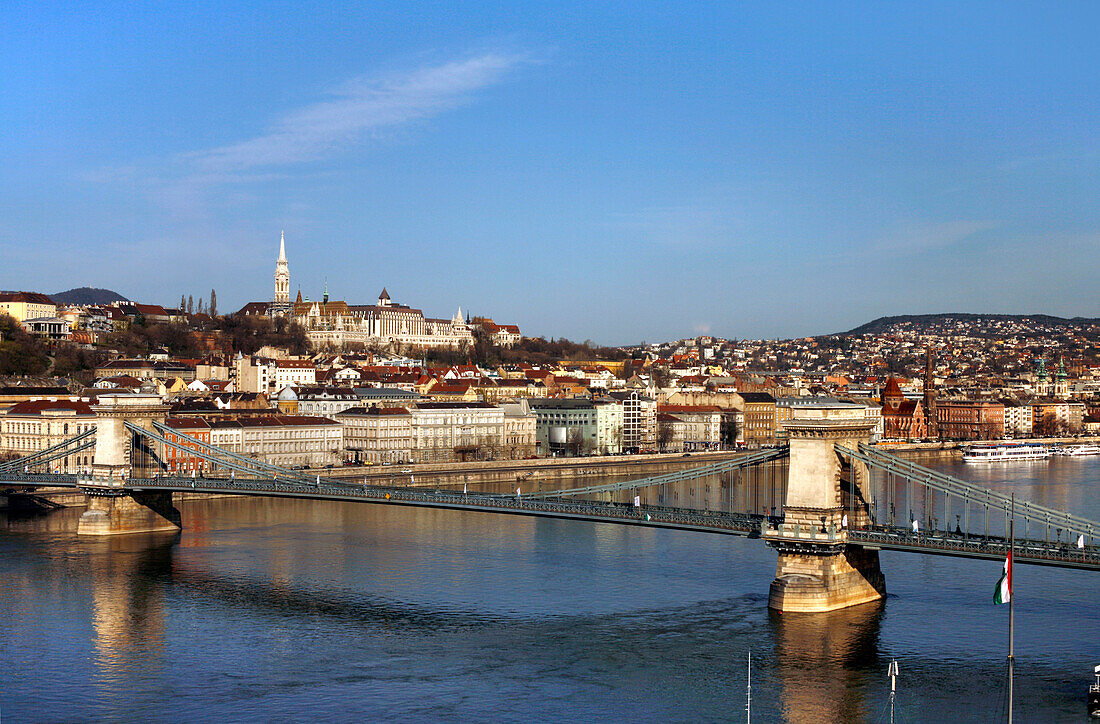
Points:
point(18, 478)
point(993, 547)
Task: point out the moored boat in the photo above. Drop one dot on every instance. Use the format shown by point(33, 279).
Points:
point(1094, 696)
point(1006, 452)
point(1076, 450)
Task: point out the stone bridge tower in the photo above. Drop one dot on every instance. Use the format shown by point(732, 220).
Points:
point(817, 569)
point(121, 456)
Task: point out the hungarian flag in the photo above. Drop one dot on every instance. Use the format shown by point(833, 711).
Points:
point(1003, 594)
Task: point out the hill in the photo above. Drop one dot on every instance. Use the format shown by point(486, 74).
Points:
point(973, 323)
point(88, 295)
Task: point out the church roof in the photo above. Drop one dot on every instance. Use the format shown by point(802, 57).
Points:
point(384, 294)
point(892, 389)
point(907, 408)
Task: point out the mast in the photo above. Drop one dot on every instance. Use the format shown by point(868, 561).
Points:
point(892, 672)
point(748, 692)
point(1011, 603)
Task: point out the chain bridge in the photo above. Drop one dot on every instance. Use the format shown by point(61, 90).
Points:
point(842, 500)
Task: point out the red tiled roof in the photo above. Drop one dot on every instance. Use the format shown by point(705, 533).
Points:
point(37, 407)
point(27, 298)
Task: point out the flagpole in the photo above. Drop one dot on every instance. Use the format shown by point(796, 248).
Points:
point(1011, 602)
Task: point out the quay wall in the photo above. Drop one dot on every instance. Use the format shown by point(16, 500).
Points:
point(955, 446)
point(550, 472)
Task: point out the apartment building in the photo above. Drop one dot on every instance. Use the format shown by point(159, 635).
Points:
point(32, 425)
point(566, 426)
point(283, 440)
point(450, 431)
point(760, 418)
point(520, 430)
point(377, 434)
point(609, 427)
point(969, 419)
point(639, 421)
point(689, 428)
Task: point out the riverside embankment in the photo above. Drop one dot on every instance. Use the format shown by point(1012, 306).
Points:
point(545, 472)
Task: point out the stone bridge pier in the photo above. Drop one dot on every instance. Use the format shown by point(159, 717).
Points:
point(817, 570)
point(121, 455)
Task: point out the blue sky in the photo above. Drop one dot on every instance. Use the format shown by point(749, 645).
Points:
point(612, 173)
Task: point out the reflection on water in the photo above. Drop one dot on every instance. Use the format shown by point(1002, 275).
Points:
point(128, 608)
point(267, 609)
point(821, 659)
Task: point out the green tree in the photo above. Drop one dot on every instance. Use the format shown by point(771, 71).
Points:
point(21, 354)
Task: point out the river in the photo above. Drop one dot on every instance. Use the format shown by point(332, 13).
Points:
point(270, 610)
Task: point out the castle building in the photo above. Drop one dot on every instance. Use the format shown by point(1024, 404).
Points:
point(337, 324)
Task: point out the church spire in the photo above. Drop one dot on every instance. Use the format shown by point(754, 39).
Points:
point(282, 274)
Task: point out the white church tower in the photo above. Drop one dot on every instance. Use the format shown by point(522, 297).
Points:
point(282, 275)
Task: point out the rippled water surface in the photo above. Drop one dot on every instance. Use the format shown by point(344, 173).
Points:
point(265, 610)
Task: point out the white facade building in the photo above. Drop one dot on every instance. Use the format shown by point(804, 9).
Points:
point(447, 431)
point(377, 434)
point(32, 425)
point(283, 440)
point(609, 427)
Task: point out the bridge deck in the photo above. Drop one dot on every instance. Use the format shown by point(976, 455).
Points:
point(1038, 552)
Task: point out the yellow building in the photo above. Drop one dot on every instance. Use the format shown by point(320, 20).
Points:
point(759, 424)
point(27, 305)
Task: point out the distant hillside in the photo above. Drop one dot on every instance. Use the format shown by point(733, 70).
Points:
point(976, 322)
point(88, 295)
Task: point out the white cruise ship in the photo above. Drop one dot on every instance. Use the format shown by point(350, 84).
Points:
point(1003, 453)
point(1075, 450)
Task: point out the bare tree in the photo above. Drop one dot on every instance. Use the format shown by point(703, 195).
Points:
point(728, 429)
point(665, 433)
point(660, 375)
point(575, 442)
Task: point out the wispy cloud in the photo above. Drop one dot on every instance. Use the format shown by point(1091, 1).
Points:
point(923, 237)
point(361, 107)
point(196, 184)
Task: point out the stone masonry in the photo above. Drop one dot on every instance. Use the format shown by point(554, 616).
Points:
point(817, 570)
